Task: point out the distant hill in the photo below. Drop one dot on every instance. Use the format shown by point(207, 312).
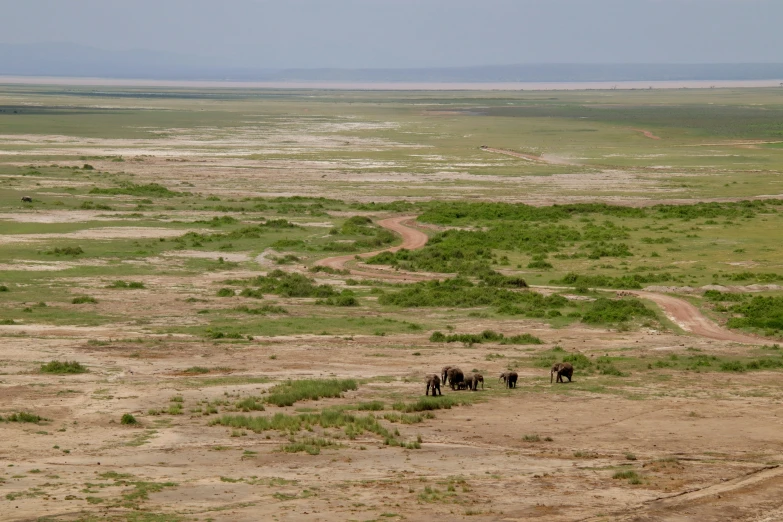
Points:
point(73, 60)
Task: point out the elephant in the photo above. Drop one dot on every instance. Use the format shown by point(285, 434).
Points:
point(27, 199)
point(510, 378)
point(433, 382)
point(469, 382)
point(478, 378)
point(455, 376)
point(561, 369)
point(444, 373)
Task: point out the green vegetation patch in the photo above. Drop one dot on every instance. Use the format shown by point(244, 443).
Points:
point(62, 368)
point(24, 416)
point(287, 285)
point(352, 425)
point(487, 336)
point(133, 189)
point(758, 312)
point(612, 311)
point(135, 285)
point(462, 293)
point(288, 393)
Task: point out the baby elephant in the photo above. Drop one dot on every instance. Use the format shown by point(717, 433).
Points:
point(561, 369)
point(510, 378)
point(469, 382)
point(433, 381)
point(478, 378)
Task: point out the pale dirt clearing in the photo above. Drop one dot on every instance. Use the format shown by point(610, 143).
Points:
point(479, 449)
point(98, 234)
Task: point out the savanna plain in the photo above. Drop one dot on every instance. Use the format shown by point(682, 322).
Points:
point(224, 304)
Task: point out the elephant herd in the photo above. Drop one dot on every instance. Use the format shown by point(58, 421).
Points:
point(456, 378)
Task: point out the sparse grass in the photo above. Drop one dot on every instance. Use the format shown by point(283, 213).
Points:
point(628, 474)
point(444, 402)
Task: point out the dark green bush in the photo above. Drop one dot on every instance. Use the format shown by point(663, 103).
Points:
point(226, 292)
point(82, 299)
point(66, 251)
point(24, 416)
point(59, 367)
point(125, 284)
point(758, 312)
point(462, 293)
point(609, 311)
point(133, 189)
point(287, 285)
point(128, 419)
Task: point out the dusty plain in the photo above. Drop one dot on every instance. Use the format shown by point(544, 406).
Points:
point(193, 257)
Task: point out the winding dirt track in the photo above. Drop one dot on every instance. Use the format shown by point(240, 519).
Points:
point(681, 312)
point(529, 157)
point(689, 318)
point(411, 240)
point(648, 134)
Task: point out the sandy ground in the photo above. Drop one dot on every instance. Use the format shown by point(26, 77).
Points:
point(705, 444)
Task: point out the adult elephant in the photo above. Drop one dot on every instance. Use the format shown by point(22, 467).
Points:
point(510, 379)
point(433, 383)
point(563, 369)
point(455, 377)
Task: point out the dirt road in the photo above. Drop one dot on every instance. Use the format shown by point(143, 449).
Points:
point(648, 134)
point(529, 157)
point(411, 240)
point(681, 312)
point(690, 319)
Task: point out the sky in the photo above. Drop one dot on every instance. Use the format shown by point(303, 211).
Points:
point(410, 33)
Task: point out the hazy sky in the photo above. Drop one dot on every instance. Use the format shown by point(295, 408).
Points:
point(411, 33)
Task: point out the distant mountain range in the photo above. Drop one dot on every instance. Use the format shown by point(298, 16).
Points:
point(71, 60)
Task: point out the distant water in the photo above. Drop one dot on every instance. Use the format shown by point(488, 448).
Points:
point(391, 86)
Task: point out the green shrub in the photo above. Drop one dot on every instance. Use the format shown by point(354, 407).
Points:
point(250, 404)
point(128, 419)
point(197, 370)
point(609, 311)
point(461, 293)
point(629, 474)
point(4, 288)
point(485, 336)
point(732, 366)
point(287, 285)
point(126, 284)
point(133, 189)
point(758, 312)
point(66, 251)
point(540, 264)
point(262, 310)
point(226, 292)
point(24, 416)
point(60, 368)
point(82, 299)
